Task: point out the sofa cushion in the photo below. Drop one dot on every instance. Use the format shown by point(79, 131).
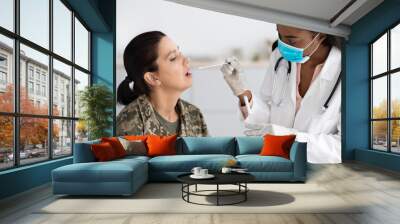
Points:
point(249, 145)
point(206, 145)
point(83, 152)
point(93, 172)
point(257, 163)
point(112, 171)
point(132, 158)
point(185, 163)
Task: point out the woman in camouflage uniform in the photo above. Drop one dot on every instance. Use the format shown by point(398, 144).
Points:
point(159, 74)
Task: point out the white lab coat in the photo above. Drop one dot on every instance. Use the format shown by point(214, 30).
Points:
point(320, 129)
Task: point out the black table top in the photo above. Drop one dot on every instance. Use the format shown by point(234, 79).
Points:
point(220, 178)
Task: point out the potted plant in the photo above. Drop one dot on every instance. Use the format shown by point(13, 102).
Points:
point(96, 103)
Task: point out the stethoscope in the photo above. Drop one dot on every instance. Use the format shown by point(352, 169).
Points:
point(289, 70)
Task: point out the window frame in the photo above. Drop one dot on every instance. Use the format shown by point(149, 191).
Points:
point(16, 114)
point(3, 71)
point(388, 74)
point(5, 58)
point(3, 74)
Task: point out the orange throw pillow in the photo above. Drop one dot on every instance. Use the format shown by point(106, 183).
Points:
point(135, 137)
point(277, 145)
point(103, 152)
point(116, 145)
point(161, 145)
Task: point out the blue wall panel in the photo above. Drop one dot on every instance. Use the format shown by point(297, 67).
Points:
point(24, 178)
point(103, 52)
point(356, 101)
point(377, 158)
point(99, 16)
point(102, 58)
point(103, 61)
point(91, 14)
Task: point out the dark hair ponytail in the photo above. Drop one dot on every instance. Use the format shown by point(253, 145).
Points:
point(140, 56)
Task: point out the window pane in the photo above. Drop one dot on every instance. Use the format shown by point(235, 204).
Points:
point(379, 135)
point(6, 142)
point(35, 21)
point(379, 55)
point(62, 29)
point(81, 81)
point(81, 131)
point(379, 97)
point(7, 14)
point(33, 139)
point(34, 72)
point(62, 138)
point(395, 47)
point(395, 136)
point(6, 74)
point(395, 94)
point(62, 89)
point(81, 45)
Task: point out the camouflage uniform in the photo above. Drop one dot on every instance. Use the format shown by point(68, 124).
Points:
point(139, 118)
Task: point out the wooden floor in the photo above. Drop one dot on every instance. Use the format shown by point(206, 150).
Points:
point(378, 188)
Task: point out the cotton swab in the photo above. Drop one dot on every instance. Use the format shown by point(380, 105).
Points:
point(210, 66)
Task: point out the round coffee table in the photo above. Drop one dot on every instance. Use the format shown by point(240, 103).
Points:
point(238, 179)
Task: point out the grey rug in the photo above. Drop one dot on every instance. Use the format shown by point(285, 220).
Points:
point(166, 198)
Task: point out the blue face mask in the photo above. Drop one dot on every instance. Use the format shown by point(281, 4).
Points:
point(295, 54)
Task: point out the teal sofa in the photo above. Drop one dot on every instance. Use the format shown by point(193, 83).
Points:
point(125, 176)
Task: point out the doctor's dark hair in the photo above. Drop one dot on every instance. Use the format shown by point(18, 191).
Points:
point(140, 56)
point(331, 40)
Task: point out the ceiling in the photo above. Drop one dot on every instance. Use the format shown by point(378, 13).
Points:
point(328, 16)
point(320, 9)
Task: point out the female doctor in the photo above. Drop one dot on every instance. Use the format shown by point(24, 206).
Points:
point(300, 93)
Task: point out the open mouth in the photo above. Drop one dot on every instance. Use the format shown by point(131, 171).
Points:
point(188, 74)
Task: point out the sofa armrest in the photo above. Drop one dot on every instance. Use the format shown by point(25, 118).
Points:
point(298, 155)
point(83, 152)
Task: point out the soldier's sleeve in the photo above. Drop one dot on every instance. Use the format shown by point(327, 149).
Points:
point(129, 122)
point(204, 129)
